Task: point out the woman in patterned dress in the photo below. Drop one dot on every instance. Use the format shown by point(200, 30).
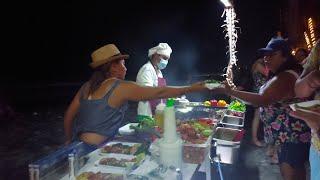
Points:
point(290, 134)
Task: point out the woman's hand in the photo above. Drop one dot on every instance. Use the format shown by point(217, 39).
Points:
point(225, 88)
point(222, 89)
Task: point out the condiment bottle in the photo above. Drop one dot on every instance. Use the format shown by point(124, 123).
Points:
point(159, 114)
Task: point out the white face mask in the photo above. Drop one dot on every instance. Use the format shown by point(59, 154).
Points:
point(162, 64)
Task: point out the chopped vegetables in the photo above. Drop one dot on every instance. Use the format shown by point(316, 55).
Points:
point(146, 122)
point(207, 132)
point(237, 106)
point(196, 132)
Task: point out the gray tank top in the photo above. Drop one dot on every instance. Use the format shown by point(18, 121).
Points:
point(97, 116)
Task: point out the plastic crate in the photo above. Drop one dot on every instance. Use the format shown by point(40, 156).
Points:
point(196, 153)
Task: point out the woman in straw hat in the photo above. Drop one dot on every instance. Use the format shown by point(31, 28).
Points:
point(97, 110)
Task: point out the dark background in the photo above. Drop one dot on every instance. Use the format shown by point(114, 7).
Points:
point(46, 47)
point(50, 42)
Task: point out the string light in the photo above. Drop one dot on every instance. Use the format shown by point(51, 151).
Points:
point(232, 36)
point(310, 26)
point(306, 37)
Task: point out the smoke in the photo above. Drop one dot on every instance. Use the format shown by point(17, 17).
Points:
point(183, 63)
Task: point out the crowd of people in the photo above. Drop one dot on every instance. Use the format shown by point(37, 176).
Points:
point(280, 79)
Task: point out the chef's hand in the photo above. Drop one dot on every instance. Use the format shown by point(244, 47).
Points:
point(311, 118)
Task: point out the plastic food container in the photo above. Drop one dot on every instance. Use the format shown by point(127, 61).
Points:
point(196, 153)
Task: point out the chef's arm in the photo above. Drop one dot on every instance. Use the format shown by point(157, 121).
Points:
point(70, 115)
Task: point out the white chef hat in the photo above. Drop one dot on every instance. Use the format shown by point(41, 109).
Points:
point(162, 49)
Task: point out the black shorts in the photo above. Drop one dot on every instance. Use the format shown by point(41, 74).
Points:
point(295, 154)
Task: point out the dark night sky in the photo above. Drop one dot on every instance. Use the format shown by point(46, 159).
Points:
point(52, 41)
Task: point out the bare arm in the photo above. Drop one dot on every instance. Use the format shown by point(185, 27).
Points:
point(70, 115)
point(307, 83)
point(280, 88)
point(134, 92)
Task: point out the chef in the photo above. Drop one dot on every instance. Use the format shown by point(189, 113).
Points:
point(150, 75)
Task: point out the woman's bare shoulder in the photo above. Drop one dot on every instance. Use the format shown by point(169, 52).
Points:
point(288, 75)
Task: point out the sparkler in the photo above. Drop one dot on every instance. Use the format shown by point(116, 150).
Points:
point(232, 36)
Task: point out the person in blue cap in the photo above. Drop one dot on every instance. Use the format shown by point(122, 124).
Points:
point(289, 134)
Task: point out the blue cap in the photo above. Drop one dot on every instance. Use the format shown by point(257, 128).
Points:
point(276, 44)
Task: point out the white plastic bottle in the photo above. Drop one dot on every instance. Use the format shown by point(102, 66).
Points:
point(170, 128)
point(170, 145)
point(71, 167)
point(31, 172)
point(36, 172)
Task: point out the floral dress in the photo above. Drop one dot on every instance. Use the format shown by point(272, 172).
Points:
point(280, 127)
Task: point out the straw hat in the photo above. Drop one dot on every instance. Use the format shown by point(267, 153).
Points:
point(105, 54)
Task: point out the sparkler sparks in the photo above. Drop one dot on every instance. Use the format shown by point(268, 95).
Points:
point(232, 36)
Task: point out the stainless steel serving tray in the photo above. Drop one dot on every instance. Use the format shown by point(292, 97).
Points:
point(224, 136)
point(232, 121)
